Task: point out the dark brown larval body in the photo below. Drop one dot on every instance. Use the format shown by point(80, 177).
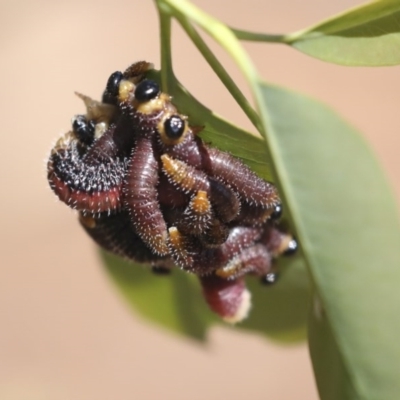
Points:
point(147, 188)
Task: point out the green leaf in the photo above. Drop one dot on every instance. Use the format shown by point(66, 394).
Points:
point(332, 377)
point(175, 302)
point(347, 224)
point(368, 35)
point(281, 311)
point(171, 301)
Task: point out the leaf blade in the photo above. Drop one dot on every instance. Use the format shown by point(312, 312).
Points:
point(347, 224)
point(175, 302)
point(368, 35)
point(332, 378)
point(169, 301)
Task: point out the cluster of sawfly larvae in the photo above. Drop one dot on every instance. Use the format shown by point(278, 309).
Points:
point(148, 188)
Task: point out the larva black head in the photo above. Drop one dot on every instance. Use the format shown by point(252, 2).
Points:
point(270, 278)
point(291, 248)
point(112, 88)
point(277, 213)
point(174, 127)
point(146, 90)
point(83, 129)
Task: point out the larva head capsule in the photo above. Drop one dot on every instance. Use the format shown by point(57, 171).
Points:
point(174, 127)
point(110, 95)
point(270, 278)
point(146, 90)
point(277, 213)
point(291, 247)
point(83, 129)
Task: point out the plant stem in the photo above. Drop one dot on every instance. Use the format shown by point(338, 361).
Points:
point(167, 74)
point(258, 37)
point(182, 9)
point(220, 71)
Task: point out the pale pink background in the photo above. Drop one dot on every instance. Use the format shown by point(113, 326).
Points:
point(64, 331)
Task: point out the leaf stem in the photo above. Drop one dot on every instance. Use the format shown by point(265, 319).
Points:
point(258, 37)
point(167, 73)
point(220, 71)
point(182, 10)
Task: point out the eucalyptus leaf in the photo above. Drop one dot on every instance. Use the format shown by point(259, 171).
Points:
point(347, 224)
point(175, 301)
point(368, 35)
point(280, 311)
point(333, 380)
point(170, 301)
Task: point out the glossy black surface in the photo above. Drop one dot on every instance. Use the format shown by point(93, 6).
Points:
point(147, 90)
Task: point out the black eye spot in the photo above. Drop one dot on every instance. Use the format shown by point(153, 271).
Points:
point(277, 213)
point(113, 82)
point(270, 278)
point(146, 90)
point(83, 129)
point(292, 248)
point(174, 127)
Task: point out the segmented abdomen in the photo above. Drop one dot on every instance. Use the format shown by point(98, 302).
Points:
point(88, 188)
point(255, 259)
point(141, 197)
point(116, 234)
point(253, 189)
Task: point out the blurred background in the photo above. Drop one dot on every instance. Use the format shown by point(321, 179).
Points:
point(65, 332)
